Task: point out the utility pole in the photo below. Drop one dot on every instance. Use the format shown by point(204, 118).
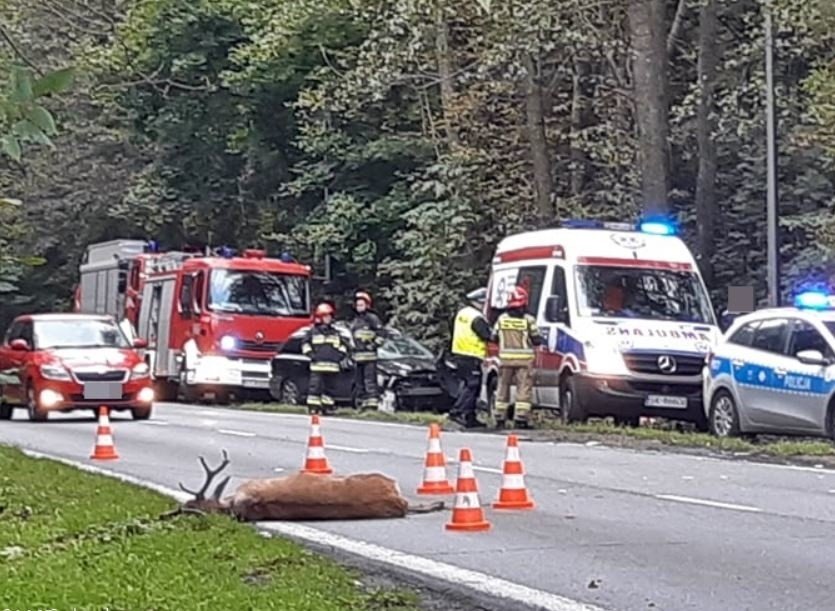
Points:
point(773, 233)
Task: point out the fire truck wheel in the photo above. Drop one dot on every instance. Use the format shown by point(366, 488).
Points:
point(191, 394)
point(165, 390)
point(142, 413)
point(6, 411)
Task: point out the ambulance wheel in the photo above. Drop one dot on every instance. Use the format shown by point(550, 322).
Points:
point(571, 408)
point(724, 417)
point(222, 397)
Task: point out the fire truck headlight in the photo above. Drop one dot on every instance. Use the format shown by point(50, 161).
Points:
point(227, 342)
point(55, 372)
point(140, 371)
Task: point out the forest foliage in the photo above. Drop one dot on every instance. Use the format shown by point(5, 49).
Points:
point(404, 138)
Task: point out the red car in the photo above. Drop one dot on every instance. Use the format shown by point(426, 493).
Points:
point(64, 362)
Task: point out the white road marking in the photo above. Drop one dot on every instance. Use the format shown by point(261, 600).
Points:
point(155, 422)
point(278, 469)
point(236, 433)
point(480, 582)
point(707, 503)
point(488, 470)
point(329, 446)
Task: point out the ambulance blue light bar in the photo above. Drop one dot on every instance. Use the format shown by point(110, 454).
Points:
point(595, 224)
point(815, 300)
point(657, 228)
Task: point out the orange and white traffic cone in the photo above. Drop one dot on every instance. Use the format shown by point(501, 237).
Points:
point(316, 462)
point(105, 449)
point(467, 514)
point(513, 493)
point(434, 471)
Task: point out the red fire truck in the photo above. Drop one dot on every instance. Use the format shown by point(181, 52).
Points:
point(213, 321)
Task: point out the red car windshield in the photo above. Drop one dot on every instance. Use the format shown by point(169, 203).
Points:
point(78, 334)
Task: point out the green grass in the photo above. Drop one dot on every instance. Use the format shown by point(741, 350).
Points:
point(403, 417)
point(71, 540)
point(606, 431)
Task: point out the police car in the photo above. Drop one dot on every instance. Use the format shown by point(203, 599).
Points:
point(774, 371)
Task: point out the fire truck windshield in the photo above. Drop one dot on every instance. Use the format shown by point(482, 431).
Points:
point(258, 293)
point(652, 294)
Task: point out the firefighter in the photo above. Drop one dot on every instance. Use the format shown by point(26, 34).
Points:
point(329, 355)
point(368, 334)
point(517, 335)
point(470, 334)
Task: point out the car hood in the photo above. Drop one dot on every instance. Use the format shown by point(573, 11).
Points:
point(630, 334)
point(74, 358)
point(405, 366)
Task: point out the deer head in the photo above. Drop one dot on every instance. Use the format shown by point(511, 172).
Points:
point(201, 504)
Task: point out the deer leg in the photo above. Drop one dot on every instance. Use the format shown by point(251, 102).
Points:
point(425, 507)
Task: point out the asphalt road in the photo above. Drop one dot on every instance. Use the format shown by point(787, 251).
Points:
point(614, 528)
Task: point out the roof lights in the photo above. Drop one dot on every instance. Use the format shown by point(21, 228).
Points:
point(815, 300)
point(595, 224)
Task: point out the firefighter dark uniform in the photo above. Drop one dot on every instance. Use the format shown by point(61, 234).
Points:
point(517, 335)
point(470, 334)
point(368, 334)
point(328, 352)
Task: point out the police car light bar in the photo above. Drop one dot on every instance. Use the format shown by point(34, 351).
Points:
point(814, 300)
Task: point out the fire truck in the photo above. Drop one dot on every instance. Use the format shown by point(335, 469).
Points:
point(213, 320)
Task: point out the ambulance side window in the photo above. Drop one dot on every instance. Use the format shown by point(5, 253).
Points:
point(559, 289)
point(532, 279)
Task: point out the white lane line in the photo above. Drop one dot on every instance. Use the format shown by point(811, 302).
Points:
point(488, 470)
point(329, 446)
point(707, 503)
point(480, 582)
point(155, 422)
point(235, 433)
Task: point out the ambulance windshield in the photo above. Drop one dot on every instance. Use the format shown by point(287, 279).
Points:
point(650, 294)
point(258, 293)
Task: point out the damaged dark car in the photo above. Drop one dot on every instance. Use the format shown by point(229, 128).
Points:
point(406, 374)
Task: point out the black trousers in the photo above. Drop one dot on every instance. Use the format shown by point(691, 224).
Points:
point(367, 391)
point(319, 392)
point(468, 373)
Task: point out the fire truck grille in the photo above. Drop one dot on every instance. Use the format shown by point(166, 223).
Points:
point(649, 362)
point(114, 375)
point(252, 346)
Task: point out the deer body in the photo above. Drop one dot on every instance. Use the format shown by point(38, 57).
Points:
point(305, 496)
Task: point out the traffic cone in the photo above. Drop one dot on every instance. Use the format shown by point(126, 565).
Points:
point(513, 494)
point(467, 514)
point(316, 462)
point(104, 450)
point(434, 471)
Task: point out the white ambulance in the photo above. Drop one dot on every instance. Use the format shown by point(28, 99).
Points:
point(626, 317)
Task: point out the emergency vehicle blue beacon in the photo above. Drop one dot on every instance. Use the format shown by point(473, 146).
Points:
point(625, 312)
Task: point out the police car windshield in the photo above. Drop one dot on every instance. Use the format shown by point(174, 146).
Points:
point(57, 334)
point(649, 294)
point(257, 293)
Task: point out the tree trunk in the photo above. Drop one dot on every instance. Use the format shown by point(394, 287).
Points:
point(649, 67)
point(579, 120)
point(445, 73)
point(536, 136)
point(705, 129)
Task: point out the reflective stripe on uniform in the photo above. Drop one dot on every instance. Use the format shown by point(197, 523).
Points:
point(520, 355)
point(324, 367)
point(365, 356)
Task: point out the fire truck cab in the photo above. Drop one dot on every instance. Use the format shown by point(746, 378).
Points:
point(625, 314)
point(212, 322)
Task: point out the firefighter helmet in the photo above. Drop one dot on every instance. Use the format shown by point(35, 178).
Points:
point(518, 298)
point(362, 295)
point(322, 310)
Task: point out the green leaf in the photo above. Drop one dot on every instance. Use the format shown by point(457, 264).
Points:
point(54, 82)
point(10, 146)
point(22, 85)
point(41, 117)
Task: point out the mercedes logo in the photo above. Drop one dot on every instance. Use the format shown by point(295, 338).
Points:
point(259, 338)
point(667, 364)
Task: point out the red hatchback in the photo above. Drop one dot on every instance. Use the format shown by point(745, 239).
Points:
point(64, 362)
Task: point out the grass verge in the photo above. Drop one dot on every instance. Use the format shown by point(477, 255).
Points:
point(72, 540)
point(604, 431)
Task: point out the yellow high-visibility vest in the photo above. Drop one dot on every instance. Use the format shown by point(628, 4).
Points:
point(465, 342)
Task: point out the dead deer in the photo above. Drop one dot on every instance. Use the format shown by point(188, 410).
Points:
point(303, 496)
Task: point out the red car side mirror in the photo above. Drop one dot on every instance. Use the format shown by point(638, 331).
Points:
point(19, 345)
point(140, 343)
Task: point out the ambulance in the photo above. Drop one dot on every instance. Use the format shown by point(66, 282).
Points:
point(625, 313)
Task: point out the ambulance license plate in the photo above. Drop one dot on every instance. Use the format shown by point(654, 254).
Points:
point(666, 401)
point(102, 391)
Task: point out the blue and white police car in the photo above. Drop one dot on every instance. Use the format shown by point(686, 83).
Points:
point(774, 371)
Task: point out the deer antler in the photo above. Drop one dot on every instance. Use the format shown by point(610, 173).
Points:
point(200, 495)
